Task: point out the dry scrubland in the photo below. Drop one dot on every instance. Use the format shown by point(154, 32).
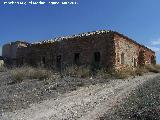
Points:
point(27, 72)
point(21, 87)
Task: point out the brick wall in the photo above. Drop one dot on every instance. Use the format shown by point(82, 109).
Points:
point(131, 50)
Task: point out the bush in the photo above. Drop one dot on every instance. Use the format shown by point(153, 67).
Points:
point(153, 60)
point(120, 74)
point(124, 73)
point(38, 73)
point(3, 69)
point(140, 71)
point(157, 66)
point(26, 72)
point(19, 74)
point(152, 68)
point(103, 73)
point(76, 71)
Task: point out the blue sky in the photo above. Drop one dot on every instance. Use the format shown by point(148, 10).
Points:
point(138, 19)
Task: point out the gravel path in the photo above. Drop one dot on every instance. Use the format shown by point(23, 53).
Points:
point(86, 103)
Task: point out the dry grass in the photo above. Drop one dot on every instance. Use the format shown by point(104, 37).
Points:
point(120, 74)
point(129, 71)
point(157, 66)
point(141, 71)
point(153, 69)
point(104, 74)
point(148, 68)
point(3, 69)
point(76, 71)
point(19, 74)
point(124, 73)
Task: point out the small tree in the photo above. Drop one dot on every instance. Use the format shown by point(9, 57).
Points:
point(153, 60)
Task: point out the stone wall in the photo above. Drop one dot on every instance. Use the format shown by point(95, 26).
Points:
point(106, 49)
point(76, 50)
point(149, 55)
point(9, 51)
point(129, 49)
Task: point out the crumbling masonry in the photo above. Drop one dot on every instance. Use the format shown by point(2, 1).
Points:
point(102, 48)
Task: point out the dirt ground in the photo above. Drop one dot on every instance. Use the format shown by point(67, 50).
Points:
point(64, 98)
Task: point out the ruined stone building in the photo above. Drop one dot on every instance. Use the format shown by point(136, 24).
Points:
point(9, 51)
point(103, 48)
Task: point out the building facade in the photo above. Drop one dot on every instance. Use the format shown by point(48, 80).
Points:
point(9, 51)
point(103, 48)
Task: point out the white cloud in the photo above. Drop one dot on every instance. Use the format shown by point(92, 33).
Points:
point(155, 42)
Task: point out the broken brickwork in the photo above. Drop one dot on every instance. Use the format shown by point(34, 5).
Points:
point(9, 51)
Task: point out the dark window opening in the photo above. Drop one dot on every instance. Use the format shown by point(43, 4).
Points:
point(76, 58)
point(30, 61)
point(118, 59)
point(97, 57)
point(53, 61)
point(58, 60)
point(134, 60)
point(122, 58)
point(22, 60)
point(43, 60)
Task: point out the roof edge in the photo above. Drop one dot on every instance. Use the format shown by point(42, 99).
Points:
point(126, 37)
